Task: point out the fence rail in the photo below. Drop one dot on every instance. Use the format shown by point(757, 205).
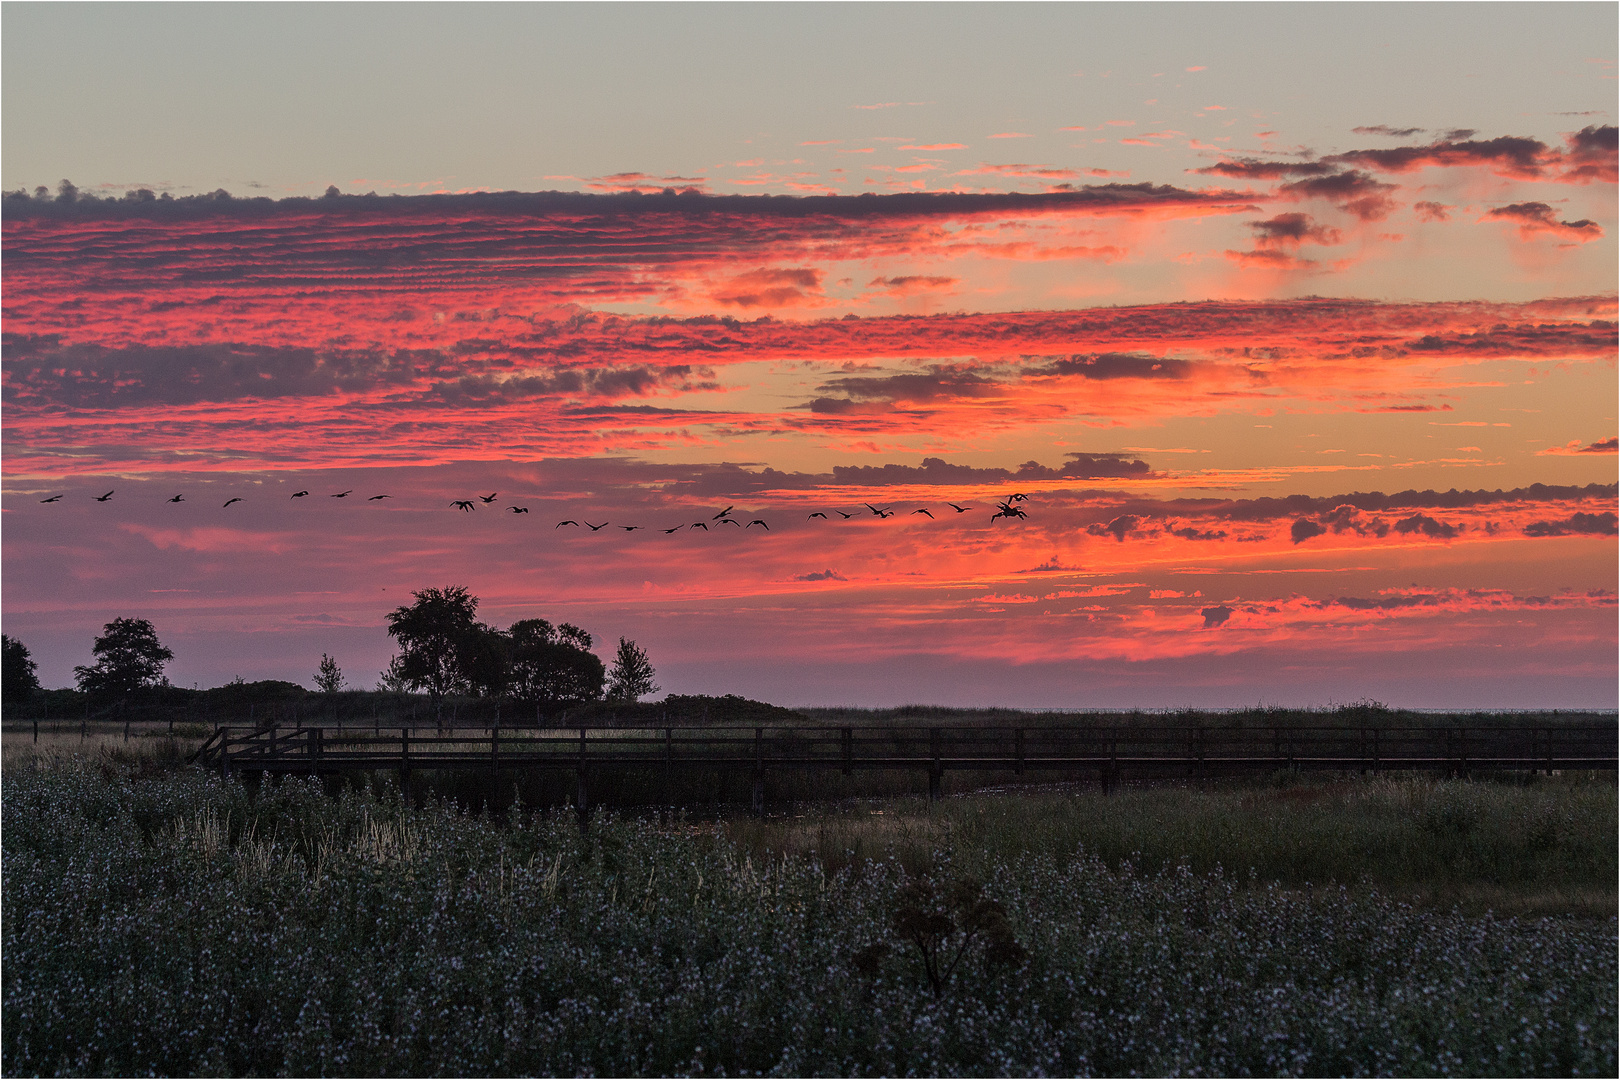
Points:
point(1107, 752)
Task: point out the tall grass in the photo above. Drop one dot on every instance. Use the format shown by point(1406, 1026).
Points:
point(175, 924)
point(1542, 846)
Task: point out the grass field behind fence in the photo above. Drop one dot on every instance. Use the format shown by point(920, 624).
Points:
point(160, 920)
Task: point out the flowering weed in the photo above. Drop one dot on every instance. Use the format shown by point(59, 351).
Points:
point(178, 925)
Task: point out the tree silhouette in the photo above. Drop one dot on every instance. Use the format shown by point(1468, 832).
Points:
point(329, 679)
point(129, 656)
point(483, 655)
point(17, 679)
point(431, 634)
point(551, 664)
point(632, 674)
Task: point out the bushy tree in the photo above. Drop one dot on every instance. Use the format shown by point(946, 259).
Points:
point(552, 664)
point(632, 675)
point(444, 649)
point(432, 634)
point(483, 654)
point(329, 679)
point(17, 679)
point(129, 656)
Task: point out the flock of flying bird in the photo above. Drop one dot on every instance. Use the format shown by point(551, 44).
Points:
point(1006, 508)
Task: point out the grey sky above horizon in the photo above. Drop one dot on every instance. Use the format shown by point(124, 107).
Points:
point(286, 98)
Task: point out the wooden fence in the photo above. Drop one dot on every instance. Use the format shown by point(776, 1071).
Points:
point(1107, 753)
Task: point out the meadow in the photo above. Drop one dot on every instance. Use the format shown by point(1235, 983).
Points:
point(160, 920)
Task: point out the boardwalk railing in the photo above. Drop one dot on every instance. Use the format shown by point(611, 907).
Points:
point(1107, 752)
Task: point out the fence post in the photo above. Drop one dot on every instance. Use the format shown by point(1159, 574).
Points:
point(669, 761)
point(36, 729)
point(1019, 741)
point(582, 803)
point(848, 736)
point(934, 770)
point(405, 764)
point(1549, 751)
point(758, 806)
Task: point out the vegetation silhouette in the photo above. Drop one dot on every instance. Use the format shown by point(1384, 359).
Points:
point(129, 657)
point(18, 681)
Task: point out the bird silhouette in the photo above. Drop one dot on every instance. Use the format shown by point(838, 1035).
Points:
point(178, 498)
point(299, 494)
point(344, 494)
point(629, 528)
point(464, 505)
point(229, 501)
point(930, 516)
point(1018, 496)
point(487, 499)
point(843, 515)
point(560, 524)
point(721, 515)
point(880, 513)
point(731, 521)
point(53, 498)
point(677, 528)
point(104, 498)
point(704, 525)
point(518, 509)
point(374, 498)
point(820, 515)
point(760, 523)
point(596, 528)
point(960, 509)
point(1008, 510)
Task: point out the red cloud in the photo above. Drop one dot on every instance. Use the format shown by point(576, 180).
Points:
point(910, 284)
point(1291, 230)
point(641, 183)
point(771, 288)
point(1573, 447)
point(1353, 192)
point(1050, 172)
point(1589, 155)
point(1538, 217)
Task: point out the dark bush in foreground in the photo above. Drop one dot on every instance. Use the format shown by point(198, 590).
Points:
point(174, 926)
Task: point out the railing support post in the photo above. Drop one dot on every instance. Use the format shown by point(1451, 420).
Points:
point(582, 804)
point(405, 764)
point(758, 802)
point(935, 771)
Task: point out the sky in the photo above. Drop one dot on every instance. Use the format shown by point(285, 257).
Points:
point(1292, 327)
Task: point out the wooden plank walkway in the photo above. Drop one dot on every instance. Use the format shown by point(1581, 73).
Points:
point(1107, 752)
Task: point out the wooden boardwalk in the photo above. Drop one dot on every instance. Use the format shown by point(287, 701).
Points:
point(1106, 753)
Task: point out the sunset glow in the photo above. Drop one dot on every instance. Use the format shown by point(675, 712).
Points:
point(1306, 409)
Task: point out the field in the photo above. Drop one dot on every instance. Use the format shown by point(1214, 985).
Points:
point(157, 919)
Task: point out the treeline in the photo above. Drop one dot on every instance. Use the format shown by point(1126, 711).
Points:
point(445, 650)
